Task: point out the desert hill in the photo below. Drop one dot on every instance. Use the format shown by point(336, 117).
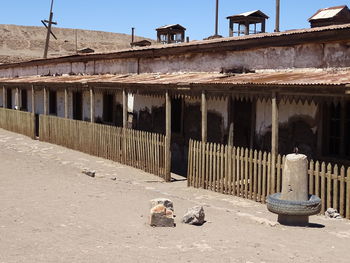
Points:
point(20, 43)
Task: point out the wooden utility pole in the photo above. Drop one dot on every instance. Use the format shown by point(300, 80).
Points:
point(49, 32)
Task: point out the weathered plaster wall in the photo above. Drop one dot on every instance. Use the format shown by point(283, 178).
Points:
point(60, 104)
point(98, 105)
point(13, 98)
point(86, 106)
point(298, 56)
point(297, 126)
point(29, 100)
point(39, 101)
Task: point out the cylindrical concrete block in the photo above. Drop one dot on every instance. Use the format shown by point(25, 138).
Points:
point(295, 179)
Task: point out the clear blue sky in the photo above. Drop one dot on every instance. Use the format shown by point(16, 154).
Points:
point(119, 15)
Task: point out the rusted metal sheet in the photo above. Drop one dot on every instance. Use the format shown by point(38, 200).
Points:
point(298, 78)
point(217, 44)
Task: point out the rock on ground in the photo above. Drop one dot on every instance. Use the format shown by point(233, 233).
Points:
point(162, 217)
point(162, 201)
point(332, 213)
point(194, 216)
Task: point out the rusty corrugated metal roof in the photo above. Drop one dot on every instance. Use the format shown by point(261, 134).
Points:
point(273, 78)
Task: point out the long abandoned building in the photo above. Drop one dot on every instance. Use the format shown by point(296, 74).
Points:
point(222, 112)
point(268, 91)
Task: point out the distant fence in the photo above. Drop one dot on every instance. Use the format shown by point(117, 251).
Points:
point(18, 121)
point(247, 174)
point(142, 150)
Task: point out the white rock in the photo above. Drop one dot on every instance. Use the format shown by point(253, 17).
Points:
point(194, 216)
point(162, 201)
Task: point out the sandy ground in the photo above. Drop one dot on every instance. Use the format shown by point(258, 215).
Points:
point(51, 212)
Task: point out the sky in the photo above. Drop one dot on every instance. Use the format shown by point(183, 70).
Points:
point(118, 16)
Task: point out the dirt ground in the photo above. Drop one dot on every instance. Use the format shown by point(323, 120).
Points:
point(20, 43)
point(51, 212)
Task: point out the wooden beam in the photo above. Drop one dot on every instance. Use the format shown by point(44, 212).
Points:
point(274, 142)
point(204, 118)
point(4, 97)
point(45, 101)
point(167, 137)
point(17, 107)
point(33, 99)
point(92, 105)
point(66, 103)
point(125, 109)
point(125, 124)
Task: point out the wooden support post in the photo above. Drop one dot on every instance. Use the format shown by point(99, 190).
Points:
point(92, 105)
point(45, 101)
point(274, 143)
point(125, 123)
point(167, 137)
point(33, 99)
point(17, 99)
point(4, 101)
point(66, 103)
point(125, 109)
point(204, 118)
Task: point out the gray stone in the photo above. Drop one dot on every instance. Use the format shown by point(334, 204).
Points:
point(162, 201)
point(194, 216)
point(161, 217)
point(88, 172)
point(332, 213)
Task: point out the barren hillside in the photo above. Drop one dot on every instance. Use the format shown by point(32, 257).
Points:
point(19, 43)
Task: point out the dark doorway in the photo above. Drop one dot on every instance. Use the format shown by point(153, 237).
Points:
point(52, 102)
point(176, 115)
point(9, 98)
point(77, 105)
point(24, 100)
point(108, 106)
point(241, 116)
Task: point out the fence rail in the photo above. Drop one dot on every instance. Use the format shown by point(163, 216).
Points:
point(247, 173)
point(142, 150)
point(18, 121)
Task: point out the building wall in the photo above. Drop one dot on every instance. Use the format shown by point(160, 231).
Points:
point(298, 56)
point(60, 104)
point(297, 126)
point(39, 101)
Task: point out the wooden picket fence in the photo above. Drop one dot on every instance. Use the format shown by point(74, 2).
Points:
point(18, 121)
point(142, 150)
point(248, 174)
